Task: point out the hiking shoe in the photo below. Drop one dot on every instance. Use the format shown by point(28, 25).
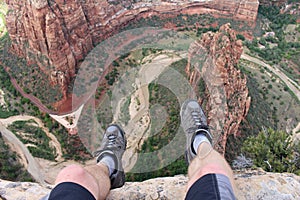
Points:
point(193, 122)
point(114, 145)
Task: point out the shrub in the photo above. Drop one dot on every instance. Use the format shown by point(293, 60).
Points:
point(240, 37)
point(273, 151)
point(270, 86)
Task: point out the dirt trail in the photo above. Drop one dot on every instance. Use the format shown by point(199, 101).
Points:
point(32, 98)
point(54, 142)
point(139, 118)
point(27, 159)
point(147, 74)
point(292, 85)
point(296, 133)
point(2, 100)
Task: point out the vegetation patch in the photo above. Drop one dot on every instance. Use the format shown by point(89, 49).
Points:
point(274, 93)
point(30, 77)
point(272, 106)
point(163, 96)
point(9, 109)
point(278, 44)
point(34, 138)
point(119, 67)
point(10, 167)
point(72, 147)
point(103, 112)
point(125, 116)
point(273, 151)
point(16, 104)
point(160, 95)
point(38, 142)
point(180, 66)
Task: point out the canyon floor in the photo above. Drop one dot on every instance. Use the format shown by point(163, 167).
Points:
point(46, 171)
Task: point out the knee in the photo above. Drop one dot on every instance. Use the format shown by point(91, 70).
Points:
point(211, 169)
point(72, 173)
point(74, 170)
point(206, 169)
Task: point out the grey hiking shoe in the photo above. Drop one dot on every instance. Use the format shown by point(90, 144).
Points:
point(193, 122)
point(114, 144)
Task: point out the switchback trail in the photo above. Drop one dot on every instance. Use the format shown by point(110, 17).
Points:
point(54, 141)
point(29, 162)
point(27, 159)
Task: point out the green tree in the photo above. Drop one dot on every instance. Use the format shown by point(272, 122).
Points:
point(272, 151)
point(240, 37)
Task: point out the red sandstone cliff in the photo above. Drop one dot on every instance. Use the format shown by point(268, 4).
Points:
point(214, 58)
point(65, 31)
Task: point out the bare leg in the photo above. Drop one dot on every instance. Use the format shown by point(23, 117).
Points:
point(108, 173)
point(95, 178)
point(208, 161)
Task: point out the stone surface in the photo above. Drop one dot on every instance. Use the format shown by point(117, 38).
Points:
point(39, 4)
point(215, 58)
point(22, 190)
point(251, 185)
point(65, 31)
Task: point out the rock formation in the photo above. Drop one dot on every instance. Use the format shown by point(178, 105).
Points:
point(214, 58)
point(251, 185)
point(64, 32)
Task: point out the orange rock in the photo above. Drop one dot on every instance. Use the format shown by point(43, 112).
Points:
point(65, 31)
point(228, 100)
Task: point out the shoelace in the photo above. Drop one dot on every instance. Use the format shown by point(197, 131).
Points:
point(112, 139)
point(196, 117)
point(197, 121)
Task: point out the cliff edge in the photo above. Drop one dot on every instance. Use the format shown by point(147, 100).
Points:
point(251, 185)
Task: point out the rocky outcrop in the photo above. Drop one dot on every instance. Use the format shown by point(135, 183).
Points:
point(250, 185)
point(214, 58)
point(58, 34)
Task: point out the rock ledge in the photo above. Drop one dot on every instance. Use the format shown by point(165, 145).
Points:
point(251, 185)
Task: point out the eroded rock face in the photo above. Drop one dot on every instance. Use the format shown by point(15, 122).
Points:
point(214, 58)
point(65, 31)
point(38, 4)
point(251, 185)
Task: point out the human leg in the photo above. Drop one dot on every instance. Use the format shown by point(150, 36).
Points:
point(94, 178)
point(208, 171)
point(97, 179)
point(208, 161)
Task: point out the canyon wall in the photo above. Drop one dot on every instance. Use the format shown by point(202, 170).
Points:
point(214, 59)
point(58, 34)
